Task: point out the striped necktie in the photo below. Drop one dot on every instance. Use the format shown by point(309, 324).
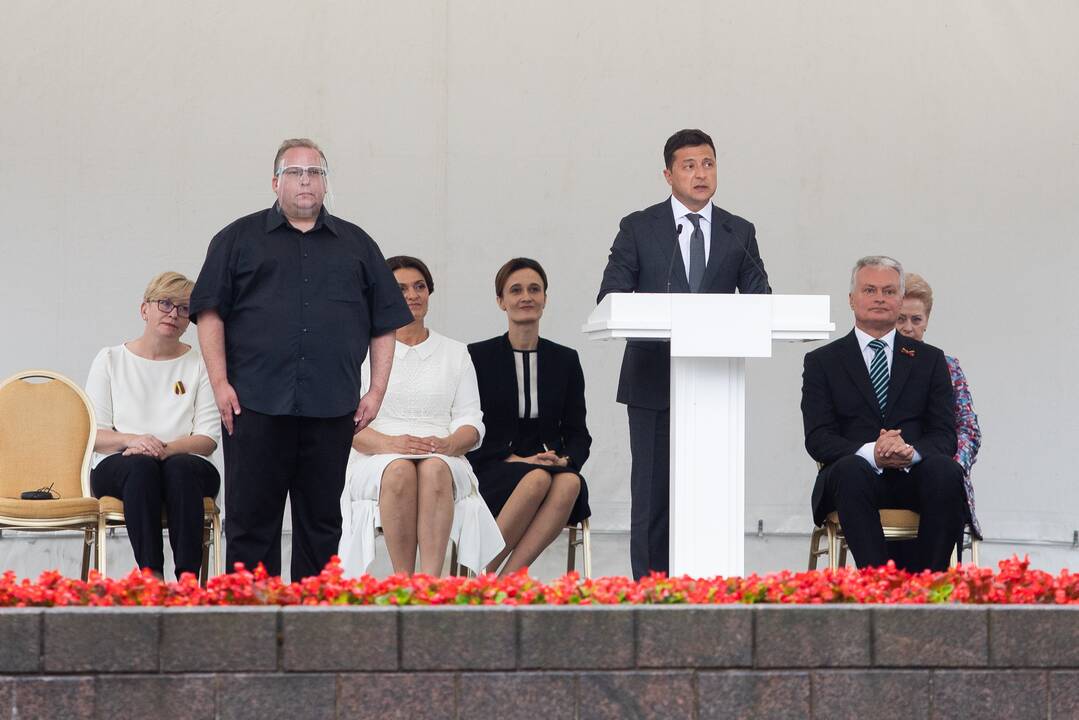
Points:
point(878, 373)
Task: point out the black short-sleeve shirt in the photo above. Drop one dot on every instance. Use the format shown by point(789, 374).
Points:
point(299, 310)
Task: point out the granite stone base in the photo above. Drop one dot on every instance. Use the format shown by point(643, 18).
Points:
point(666, 662)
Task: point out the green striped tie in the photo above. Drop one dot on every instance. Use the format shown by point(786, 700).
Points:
point(878, 373)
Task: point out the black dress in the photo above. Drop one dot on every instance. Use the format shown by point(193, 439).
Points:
point(547, 414)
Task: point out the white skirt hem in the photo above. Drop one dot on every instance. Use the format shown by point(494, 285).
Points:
point(474, 530)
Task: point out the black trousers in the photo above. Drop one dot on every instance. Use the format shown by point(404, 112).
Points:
point(933, 488)
point(147, 485)
point(271, 458)
point(650, 490)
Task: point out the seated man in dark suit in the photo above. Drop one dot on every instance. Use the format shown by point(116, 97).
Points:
point(878, 415)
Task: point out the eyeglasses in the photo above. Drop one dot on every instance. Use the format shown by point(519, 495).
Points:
point(166, 306)
point(295, 172)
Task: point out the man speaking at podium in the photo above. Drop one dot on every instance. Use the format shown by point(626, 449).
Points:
point(685, 244)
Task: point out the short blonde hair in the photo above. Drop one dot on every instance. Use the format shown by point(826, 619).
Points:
point(297, 143)
point(918, 289)
point(169, 284)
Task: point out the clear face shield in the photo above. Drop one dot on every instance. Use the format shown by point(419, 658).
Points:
point(314, 178)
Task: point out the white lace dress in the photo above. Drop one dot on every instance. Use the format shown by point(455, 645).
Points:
point(432, 391)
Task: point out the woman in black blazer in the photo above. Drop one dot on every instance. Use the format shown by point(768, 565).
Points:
point(532, 393)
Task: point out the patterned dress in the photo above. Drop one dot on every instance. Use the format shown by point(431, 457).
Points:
point(968, 433)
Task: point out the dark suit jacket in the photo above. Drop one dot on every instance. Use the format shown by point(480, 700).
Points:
point(560, 383)
point(840, 411)
point(642, 255)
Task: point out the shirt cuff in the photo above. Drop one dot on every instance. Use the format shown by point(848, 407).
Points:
point(866, 453)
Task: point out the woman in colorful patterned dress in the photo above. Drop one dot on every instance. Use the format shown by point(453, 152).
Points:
point(913, 322)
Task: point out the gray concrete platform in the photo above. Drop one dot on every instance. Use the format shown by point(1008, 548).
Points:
point(555, 662)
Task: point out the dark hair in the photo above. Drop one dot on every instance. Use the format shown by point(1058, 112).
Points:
point(685, 138)
point(399, 262)
point(513, 266)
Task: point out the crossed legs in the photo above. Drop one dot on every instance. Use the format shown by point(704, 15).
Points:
point(533, 516)
point(416, 506)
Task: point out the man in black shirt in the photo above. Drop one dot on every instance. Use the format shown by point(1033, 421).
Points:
point(287, 303)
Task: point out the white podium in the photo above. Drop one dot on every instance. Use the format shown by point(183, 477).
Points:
point(710, 337)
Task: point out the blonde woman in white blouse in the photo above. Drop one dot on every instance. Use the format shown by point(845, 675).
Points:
point(157, 427)
point(407, 473)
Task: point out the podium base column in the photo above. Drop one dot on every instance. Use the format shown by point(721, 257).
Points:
point(708, 441)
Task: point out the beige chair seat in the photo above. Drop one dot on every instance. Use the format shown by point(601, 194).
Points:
point(897, 524)
point(112, 512)
point(113, 509)
point(888, 518)
point(78, 510)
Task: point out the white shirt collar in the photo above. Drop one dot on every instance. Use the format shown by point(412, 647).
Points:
point(865, 338)
point(425, 349)
point(680, 211)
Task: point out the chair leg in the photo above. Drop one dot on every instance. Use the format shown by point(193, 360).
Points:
point(207, 539)
point(833, 547)
point(455, 569)
point(957, 549)
point(87, 543)
point(814, 546)
point(842, 552)
point(100, 546)
point(571, 551)
point(219, 563)
point(974, 543)
point(586, 548)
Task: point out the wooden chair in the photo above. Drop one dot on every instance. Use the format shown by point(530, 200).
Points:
point(112, 510)
point(47, 432)
point(897, 525)
point(579, 537)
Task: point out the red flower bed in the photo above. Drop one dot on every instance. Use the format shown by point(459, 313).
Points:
point(1015, 582)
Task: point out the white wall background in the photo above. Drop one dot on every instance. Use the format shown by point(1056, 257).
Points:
point(943, 133)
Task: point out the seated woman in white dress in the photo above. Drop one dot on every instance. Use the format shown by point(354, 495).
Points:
point(407, 473)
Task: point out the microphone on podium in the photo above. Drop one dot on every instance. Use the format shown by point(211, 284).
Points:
point(674, 254)
point(752, 259)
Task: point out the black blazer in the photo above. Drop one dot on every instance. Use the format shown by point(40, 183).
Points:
point(560, 384)
point(840, 411)
point(641, 261)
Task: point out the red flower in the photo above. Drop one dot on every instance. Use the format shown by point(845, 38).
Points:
point(1015, 582)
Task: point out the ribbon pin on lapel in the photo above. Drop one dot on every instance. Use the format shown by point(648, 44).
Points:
point(907, 351)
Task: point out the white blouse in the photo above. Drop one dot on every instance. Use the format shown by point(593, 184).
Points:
point(432, 390)
point(168, 399)
point(527, 405)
